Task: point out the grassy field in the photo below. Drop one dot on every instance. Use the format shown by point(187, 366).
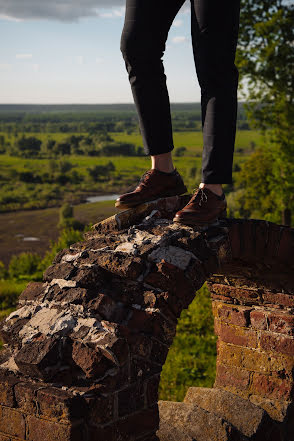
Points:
point(42, 224)
point(192, 140)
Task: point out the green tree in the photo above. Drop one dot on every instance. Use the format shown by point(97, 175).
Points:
point(28, 147)
point(255, 196)
point(265, 59)
point(23, 264)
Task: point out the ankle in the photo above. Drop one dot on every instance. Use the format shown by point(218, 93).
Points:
point(163, 162)
point(215, 188)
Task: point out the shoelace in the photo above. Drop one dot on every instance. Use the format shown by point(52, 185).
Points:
point(144, 178)
point(203, 194)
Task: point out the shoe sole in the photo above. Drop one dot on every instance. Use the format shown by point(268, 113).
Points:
point(222, 215)
point(122, 206)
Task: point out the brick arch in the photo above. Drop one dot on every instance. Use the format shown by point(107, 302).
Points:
point(85, 348)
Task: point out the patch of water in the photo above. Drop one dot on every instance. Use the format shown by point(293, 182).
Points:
point(109, 197)
point(30, 239)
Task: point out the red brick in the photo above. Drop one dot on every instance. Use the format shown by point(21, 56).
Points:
point(273, 242)
point(12, 422)
point(279, 343)
point(231, 377)
point(33, 291)
point(234, 234)
point(236, 335)
point(7, 384)
point(25, 395)
point(286, 245)
point(45, 430)
point(247, 240)
point(280, 299)
point(258, 319)
point(101, 410)
point(261, 234)
point(282, 323)
point(245, 296)
point(153, 323)
point(271, 387)
point(236, 315)
point(222, 298)
point(131, 399)
point(152, 386)
point(59, 404)
point(138, 424)
point(101, 433)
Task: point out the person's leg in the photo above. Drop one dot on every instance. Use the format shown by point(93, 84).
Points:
point(214, 30)
point(143, 41)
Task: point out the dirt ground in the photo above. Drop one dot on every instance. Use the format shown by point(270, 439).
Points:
point(42, 224)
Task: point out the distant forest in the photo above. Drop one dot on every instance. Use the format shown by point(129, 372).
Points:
point(69, 118)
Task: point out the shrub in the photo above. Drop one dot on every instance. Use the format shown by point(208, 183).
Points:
point(23, 264)
point(180, 151)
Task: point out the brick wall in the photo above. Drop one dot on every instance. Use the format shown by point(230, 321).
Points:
point(85, 348)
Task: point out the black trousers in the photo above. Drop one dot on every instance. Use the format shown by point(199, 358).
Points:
point(214, 32)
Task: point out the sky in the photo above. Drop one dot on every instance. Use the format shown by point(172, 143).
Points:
point(68, 51)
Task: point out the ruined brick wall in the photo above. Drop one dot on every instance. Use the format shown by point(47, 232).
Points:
point(85, 348)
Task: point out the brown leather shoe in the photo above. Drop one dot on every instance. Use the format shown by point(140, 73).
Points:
point(203, 208)
point(153, 184)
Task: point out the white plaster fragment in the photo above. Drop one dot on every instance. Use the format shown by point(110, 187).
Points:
point(70, 257)
point(171, 254)
point(10, 364)
point(23, 312)
point(48, 321)
point(136, 239)
point(89, 321)
point(126, 247)
point(62, 283)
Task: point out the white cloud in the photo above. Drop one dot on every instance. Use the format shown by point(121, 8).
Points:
point(66, 10)
point(179, 39)
point(177, 23)
point(99, 60)
point(5, 66)
point(36, 67)
point(7, 17)
point(79, 59)
point(115, 13)
point(24, 56)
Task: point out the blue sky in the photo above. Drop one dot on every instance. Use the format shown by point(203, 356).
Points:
point(62, 52)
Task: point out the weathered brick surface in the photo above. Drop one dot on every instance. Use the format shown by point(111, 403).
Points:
point(26, 396)
point(255, 360)
point(58, 404)
point(233, 378)
point(7, 385)
point(237, 335)
point(88, 343)
point(12, 422)
point(271, 386)
point(236, 315)
point(258, 319)
point(41, 429)
point(277, 343)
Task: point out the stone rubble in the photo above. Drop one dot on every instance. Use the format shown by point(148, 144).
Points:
point(84, 350)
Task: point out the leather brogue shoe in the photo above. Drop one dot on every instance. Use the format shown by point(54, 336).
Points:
point(204, 207)
point(153, 184)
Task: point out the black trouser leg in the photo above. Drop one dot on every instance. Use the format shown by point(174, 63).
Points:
point(143, 39)
point(214, 30)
